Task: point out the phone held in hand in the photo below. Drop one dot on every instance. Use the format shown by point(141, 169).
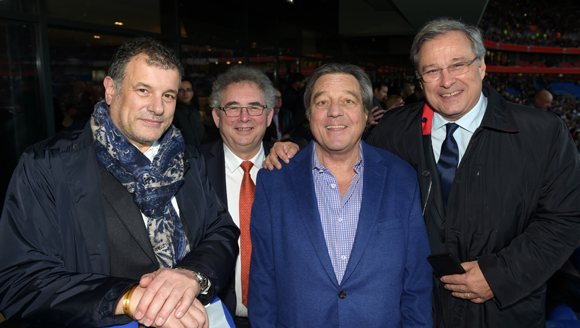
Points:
point(444, 264)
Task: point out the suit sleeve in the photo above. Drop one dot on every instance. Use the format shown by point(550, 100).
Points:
point(44, 278)
point(418, 281)
point(262, 289)
point(532, 257)
point(215, 254)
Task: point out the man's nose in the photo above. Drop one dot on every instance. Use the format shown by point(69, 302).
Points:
point(244, 115)
point(447, 79)
point(157, 105)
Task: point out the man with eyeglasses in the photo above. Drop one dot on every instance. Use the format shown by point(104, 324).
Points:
point(242, 100)
point(187, 118)
point(500, 183)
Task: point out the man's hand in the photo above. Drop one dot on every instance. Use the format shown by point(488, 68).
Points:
point(168, 292)
point(471, 285)
point(196, 317)
point(375, 116)
point(283, 150)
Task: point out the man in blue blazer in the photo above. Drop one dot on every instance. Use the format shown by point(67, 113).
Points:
point(338, 236)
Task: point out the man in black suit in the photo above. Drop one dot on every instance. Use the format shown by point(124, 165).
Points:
point(187, 118)
point(242, 100)
point(282, 125)
point(116, 222)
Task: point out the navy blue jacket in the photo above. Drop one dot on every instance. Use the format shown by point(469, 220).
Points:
point(54, 253)
point(387, 282)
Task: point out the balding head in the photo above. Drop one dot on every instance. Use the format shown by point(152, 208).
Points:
point(543, 99)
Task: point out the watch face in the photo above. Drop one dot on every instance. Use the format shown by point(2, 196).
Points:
point(203, 282)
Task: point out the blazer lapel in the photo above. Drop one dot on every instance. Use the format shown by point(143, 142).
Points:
point(216, 170)
point(304, 192)
point(374, 181)
point(118, 197)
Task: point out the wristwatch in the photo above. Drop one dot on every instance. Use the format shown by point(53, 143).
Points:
point(204, 283)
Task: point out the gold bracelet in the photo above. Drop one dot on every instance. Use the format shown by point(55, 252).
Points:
point(127, 302)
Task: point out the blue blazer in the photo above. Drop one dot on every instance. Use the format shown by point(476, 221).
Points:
point(387, 282)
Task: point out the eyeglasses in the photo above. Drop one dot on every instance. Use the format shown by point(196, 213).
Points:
point(235, 111)
point(455, 70)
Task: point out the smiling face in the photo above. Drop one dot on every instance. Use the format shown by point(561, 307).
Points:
point(243, 134)
point(337, 116)
point(451, 96)
point(144, 109)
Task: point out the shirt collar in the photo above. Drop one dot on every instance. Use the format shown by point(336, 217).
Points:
point(470, 121)
point(152, 151)
point(317, 166)
point(232, 161)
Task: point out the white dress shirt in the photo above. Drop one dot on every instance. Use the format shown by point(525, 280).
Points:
point(467, 126)
point(150, 154)
point(234, 176)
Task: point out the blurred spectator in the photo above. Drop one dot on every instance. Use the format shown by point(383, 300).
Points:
point(380, 92)
point(282, 125)
point(417, 95)
point(542, 100)
point(187, 118)
point(408, 89)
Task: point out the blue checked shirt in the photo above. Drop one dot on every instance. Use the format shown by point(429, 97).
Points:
point(339, 218)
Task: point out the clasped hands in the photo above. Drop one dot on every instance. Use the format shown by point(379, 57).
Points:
point(168, 298)
point(470, 285)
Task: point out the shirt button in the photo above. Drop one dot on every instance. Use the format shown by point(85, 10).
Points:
point(333, 186)
point(343, 257)
point(339, 219)
point(342, 294)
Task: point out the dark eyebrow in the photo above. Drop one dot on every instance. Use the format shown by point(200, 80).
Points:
point(354, 94)
point(318, 94)
point(453, 60)
point(147, 86)
point(235, 103)
point(144, 85)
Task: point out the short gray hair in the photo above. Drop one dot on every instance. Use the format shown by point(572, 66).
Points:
point(366, 87)
point(158, 56)
point(243, 74)
point(431, 30)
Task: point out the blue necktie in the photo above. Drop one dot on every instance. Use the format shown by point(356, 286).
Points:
point(448, 160)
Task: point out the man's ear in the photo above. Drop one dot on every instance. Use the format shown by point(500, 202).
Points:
point(110, 89)
point(269, 117)
point(216, 117)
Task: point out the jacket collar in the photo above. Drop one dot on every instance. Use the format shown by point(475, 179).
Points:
point(497, 116)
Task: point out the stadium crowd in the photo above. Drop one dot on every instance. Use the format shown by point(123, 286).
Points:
point(529, 23)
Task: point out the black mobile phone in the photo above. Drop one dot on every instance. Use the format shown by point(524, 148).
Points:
point(444, 264)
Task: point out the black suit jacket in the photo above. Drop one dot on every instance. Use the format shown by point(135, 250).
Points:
point(54, 236)
point(514, 206)
point(213, 155)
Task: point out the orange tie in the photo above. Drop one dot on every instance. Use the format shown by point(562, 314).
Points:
point(246, 201)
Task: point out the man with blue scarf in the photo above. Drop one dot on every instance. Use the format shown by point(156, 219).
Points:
point(116, 222)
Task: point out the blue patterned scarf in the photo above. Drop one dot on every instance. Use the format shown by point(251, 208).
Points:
point(152, 183)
